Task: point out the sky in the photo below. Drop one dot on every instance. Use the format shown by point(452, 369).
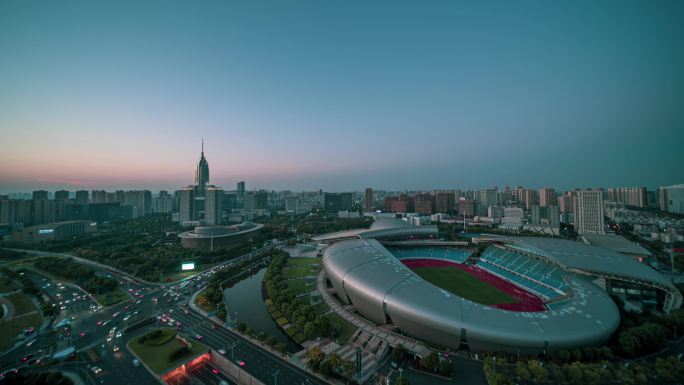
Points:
point(341, 95)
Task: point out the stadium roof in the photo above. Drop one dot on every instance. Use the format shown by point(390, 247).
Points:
point(587, 258)
point(616, 243)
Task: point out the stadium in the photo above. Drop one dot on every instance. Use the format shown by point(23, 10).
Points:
point(210, 237)
point(511, 294)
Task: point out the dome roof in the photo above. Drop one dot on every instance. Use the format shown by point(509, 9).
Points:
point(389, 223)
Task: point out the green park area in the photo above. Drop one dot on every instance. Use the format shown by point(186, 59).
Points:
point(300, 286)
point(160, 350)
point(344, 329)
point(303, 261)
point(464, 285)
point(25, 315)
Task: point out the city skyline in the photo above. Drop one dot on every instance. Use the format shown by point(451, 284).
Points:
point(340, 97)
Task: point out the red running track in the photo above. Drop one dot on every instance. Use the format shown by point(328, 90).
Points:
point(527, 302)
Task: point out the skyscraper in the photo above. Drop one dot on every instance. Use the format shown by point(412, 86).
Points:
point(368, 202)
point(202, 173)
point(213, 206)
point(186, 199)
point(588, 207)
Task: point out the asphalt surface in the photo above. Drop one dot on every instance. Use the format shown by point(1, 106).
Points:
point(90, 334)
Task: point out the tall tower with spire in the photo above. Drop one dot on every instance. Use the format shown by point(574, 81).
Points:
point(202, 174)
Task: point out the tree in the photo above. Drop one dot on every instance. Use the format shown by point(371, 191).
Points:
point(445, 367)
point(398, 353)
point(522, 371)
point(402, 381)
point(430, 361)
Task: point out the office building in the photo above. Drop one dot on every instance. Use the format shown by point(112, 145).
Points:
point(186, 200)
point(588, 214)
point(369, 201)
point(240, 190)
point(213, 209)
point(256, 200)
point(334, 202)
point(98, 196)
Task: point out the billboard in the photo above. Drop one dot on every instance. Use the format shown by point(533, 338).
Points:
point(188, 266)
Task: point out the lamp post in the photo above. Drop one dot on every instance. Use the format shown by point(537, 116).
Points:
point(275, 377)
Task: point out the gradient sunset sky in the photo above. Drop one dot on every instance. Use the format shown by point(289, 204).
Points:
point(341, 95)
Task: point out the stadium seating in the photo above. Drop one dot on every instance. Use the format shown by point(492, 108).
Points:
point(446, 253)
point(530, 273)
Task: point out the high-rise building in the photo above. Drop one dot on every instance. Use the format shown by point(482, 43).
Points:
point(81, 197)
point(368, 202)
point(445, 201)
point(565, 202)
point(186, 203)
point(202, 173)
point(213, 208)
point(98, 196)
point(530, 198)
point(61, 195)
point(631, 196)
point(545, 215)
point(672, 199)
point(334, 202)
point(466, 207)
point(40, 194)
point(547, 197)
point(240, 190)
point(163, 203)
point(588, 206)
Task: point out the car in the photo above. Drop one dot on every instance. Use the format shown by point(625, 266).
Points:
point(215, 371)
point(96, 369)
point(241, 363)
point(199, 336)
point(116, 314)
point(119, 334)
point(186, 312)
point(115, 349)
point(28, 344)
point(136, 363)
point(100, 323)
point(138, 302)
point(222, 352)
point(83, 334)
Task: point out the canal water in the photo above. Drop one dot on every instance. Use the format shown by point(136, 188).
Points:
point(244, 297)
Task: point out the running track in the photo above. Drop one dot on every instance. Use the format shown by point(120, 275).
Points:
point(527, 302)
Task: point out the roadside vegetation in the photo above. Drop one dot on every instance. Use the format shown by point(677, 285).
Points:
point(159, 349)
point(105, 289)
point(294, 314)
point(660, 371)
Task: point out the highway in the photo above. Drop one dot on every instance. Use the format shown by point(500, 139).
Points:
point(89, 333)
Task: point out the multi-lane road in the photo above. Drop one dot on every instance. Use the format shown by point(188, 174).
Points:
point(91, 327)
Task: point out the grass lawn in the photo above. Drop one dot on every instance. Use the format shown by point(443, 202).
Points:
point(464, 285)
point(22, 304)
point(298, 271)
point(299, 286)
point(346, 329)
point(303, 261)
point(7, 285)
point(10, 329)
point(113, 297)
point(156, 357)
point(320, 307)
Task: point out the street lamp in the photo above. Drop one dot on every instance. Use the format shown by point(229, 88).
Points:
point(275, 377)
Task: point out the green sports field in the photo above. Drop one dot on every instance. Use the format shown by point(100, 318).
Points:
point(464, 285)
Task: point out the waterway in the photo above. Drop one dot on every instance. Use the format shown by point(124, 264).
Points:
point(244, 298)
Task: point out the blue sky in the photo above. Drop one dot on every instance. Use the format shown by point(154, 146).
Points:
point(341, 95)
